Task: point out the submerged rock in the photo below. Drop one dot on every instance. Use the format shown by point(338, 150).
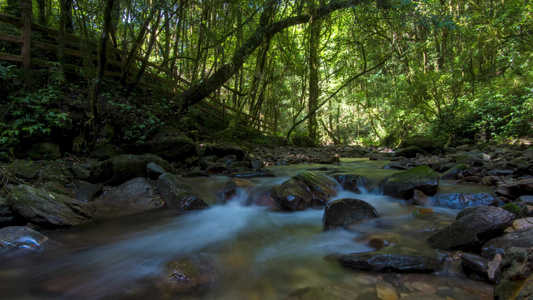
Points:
point(347, 211)
point(403, 184)
point(303, 191)
point(188, 273)
point(322, 293)
point(177, 194)
point(472, 227)
point(463, 200)
point(389, 262)
point(19, 240)
point(48, 209)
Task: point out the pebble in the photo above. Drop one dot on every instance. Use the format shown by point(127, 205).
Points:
point(386, 291)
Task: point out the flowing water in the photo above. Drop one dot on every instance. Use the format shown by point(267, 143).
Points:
point(255, 253)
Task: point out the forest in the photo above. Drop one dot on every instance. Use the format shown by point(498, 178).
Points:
point(308, 72)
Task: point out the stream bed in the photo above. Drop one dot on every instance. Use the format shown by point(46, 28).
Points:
point(255, 253)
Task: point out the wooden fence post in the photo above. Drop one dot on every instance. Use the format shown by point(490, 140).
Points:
point(25, 50)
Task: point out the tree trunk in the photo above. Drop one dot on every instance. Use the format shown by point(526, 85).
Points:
point(200, 90)
point(314, 93)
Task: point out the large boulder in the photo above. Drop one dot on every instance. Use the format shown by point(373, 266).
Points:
point(403, 184)
point(410, 152)
point(514, 189)
point(303, 191)
point(119, 169)
point(48, 209)
point(472, 227)
point(135, 195)
point(390, 262)
point(26, 169)
point(222, 150)
point(177, 194)
point(514, 277)
point(427, 143)
point(499, 245)
point(347, 211)
point(18, 240)
point(464, 200)
point(44, 150)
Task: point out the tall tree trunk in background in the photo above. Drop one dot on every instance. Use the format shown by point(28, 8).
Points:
point(65, 25)
point(94, 88)
point(41, 19)
point(314, 92)
point(260, 35)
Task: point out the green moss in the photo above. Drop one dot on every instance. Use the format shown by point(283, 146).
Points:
point(517, 209)
point(415, 174)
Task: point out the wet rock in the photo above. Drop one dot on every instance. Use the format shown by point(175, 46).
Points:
point(515, 189)
point(403, 184)
point(347, 211)
point(196, 173)
point(474, 265)
point(490, 180)
point(334, 160)
point(26, 169)
point(519, 209)
point(88, 192)
point(107, 151)
point(410, 152)
point(322, 293)
point(350, 182)
point(427, 143)
point(122, 168)
point(154, 170)
point(48, 209)
point(419, 198)
point(20, 240)
point(252, 174)
point(454, 173)
point(499, 245)
point(6, 213)
point(514, 278)
point(303, 191)
point(528, 200)
point(255, 163)
point(177, 194)
point(188, 273)
point(221, 150)
point(229, 191)
point(472, 158)
point(389, 262)
point(472, 227)
point(44, 150)
point(227, 160)
point(216, 169)
point(399, 165)
point(137, 194)
point(463, 200)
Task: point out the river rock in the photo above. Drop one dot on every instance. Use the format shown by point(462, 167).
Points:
point(347, 211)
point(514, 277)
point(514, 189)
point(106, 151)
point(137, 194)
point(154, 170)
point(48, 209)
point(177, 194)
point(88, 191)
point(19, 240)
point(188, 273)
point(427, 143)
point(499, 245)
point(252, 174)
point(170, 144)
point(303, 191)
point(454, 172)
point(527, 200)
point(464, 200)
point(403, 184)
point(6, 213)
point(222, 150)
point(390, 262)
point(26, 169)
point(472, 227)
point(350, 182)
point(474, 265)
point(410, 152)
point(122, 168)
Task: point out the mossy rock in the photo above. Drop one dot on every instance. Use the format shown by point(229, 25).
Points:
point(48, 209)
point(410, 152)
point(25, 169)
point(427, 143)
point(454, 172)
point(122, 168)
point(44, 150)
point(304, 190)
point(403, 184)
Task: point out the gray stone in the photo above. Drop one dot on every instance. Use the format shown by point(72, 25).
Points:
point(410, 152)
point(88, 192)
point(514, 278)
point(514, 189)
point(347, 211)
point(303, 191)
point(137, 194)
point(390, 262)
point(472, 227)
point(154, 170)
point(19, 240)
point(403, 184)
point(463, 200)
point(350, 182)
point(222, 150)
point(48, 209)
point(107, 151)
point(124, 167)
point(177, 194)
point(499, 245)
point(454, 172)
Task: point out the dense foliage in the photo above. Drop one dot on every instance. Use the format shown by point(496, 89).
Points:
point(372, 72)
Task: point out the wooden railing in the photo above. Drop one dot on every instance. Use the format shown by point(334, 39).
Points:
point(115, 65)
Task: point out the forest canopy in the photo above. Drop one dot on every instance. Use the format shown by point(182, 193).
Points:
point(317, 72)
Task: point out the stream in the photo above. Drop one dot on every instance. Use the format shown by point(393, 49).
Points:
point(256, 253)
